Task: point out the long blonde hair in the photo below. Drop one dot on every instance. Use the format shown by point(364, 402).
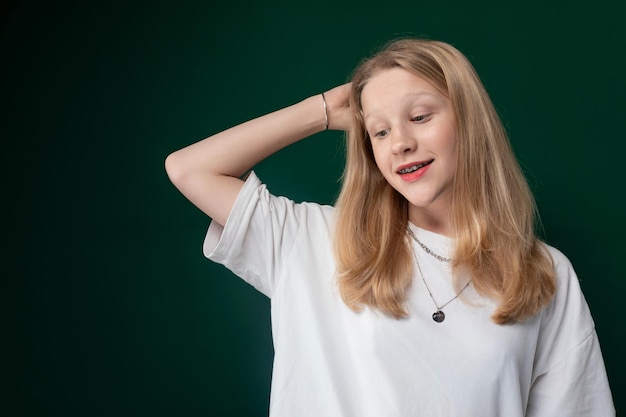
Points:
point(493, 210)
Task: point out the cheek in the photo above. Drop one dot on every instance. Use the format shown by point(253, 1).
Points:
point(447, 142)
point(453, 155)
point(454, 148)
point(380, 158)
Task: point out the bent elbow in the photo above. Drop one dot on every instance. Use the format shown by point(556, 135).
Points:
point(175, 168)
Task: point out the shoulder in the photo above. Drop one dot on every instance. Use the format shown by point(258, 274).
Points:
point(314, 212)
point(567, 282)
point(566, 321)
point(255, 194)
point(566, 278)
point(271, 220)
point(561, 262)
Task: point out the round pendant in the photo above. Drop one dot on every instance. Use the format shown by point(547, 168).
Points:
point(438, 316)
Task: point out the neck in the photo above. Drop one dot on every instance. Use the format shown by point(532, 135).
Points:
point(430, 221)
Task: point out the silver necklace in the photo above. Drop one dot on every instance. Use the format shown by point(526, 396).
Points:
point(427, 249)
point(438, 315)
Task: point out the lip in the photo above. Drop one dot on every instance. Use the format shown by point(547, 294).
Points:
point(417, 174)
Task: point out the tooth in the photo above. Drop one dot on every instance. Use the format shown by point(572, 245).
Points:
point(410, 169)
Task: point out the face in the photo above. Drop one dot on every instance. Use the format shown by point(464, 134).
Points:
point(412, 130)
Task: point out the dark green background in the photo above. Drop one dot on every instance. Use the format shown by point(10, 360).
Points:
point(108, 306)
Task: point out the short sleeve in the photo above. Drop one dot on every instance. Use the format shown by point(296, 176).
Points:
point(257, 237)
point(569, 374)
point(576, 387)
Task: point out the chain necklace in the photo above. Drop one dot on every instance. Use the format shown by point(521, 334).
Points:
point(427, 249)
point(438, 315)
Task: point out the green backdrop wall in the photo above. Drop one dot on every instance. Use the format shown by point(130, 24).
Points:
point(110, 309)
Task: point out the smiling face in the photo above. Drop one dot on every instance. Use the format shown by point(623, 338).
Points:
point(411, 126)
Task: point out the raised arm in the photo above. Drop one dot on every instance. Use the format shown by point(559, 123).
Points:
point(207, 172)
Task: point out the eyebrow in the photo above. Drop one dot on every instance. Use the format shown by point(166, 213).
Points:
point(407, 96)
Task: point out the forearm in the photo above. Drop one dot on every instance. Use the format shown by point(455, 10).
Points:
point(207, 172)
point(236, 150)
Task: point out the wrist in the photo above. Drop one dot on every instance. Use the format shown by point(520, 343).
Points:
point(325, 111)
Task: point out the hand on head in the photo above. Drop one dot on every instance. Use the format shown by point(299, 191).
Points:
point(338, 107)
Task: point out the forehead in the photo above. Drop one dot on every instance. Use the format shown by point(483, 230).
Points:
point(396, 86)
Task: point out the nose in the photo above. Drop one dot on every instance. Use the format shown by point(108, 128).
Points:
point(402, 142)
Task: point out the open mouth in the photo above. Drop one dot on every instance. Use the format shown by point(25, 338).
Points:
point(415, 167)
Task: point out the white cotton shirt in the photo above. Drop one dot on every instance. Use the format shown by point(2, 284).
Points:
point(333, 362)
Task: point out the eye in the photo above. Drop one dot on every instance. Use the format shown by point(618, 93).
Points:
point(420, 118)
point(382, 133)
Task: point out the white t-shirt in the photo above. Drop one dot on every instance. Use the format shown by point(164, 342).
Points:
point(331, 361)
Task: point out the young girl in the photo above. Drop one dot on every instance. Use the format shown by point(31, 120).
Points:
point(425, 291)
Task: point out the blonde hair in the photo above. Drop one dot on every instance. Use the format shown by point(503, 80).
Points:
point(493, 210)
